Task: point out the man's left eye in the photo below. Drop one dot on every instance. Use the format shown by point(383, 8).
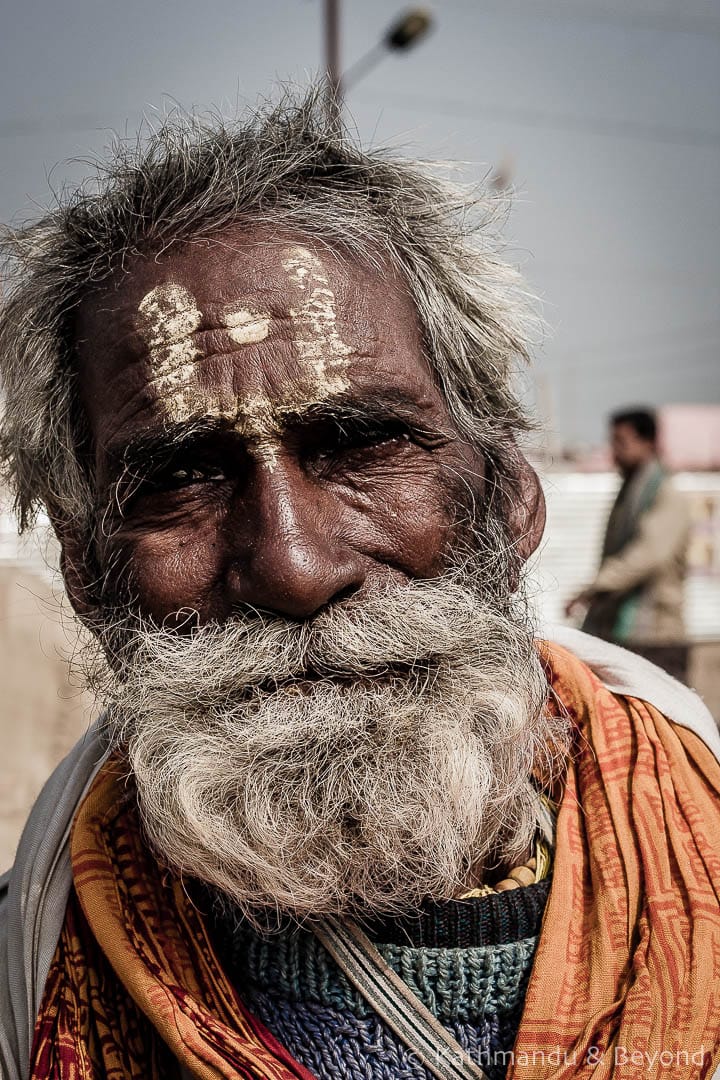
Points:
point(349, 445)
point(186, 476)
point(347, 441)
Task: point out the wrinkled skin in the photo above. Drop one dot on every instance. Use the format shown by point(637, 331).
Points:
point(339, 504)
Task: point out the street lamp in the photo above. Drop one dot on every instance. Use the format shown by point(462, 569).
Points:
point(407, 31)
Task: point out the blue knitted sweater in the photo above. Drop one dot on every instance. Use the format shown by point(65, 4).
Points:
point(467, 960)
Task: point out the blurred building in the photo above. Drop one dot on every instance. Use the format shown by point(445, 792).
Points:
point(690, 437)
point(578, 505)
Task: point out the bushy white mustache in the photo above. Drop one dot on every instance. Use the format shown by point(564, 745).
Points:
point(411, 626)
point(359, 762)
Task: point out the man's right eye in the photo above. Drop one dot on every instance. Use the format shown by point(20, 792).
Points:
point(186, 476)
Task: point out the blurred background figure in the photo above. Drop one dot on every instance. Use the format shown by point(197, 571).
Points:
point(637, 596)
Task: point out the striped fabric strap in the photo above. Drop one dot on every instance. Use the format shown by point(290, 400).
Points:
point(395, 1003)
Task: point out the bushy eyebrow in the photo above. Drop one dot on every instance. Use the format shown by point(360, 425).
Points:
point(343, 409)
point(149, 450)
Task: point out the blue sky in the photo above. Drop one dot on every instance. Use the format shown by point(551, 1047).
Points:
point(609, 112)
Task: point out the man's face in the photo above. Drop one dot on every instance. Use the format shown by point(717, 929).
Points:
point(267, 432)
point(629, 450)
point(354, 723)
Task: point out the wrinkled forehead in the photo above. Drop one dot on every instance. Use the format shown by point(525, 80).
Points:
point(243, 330)
point(236, 282)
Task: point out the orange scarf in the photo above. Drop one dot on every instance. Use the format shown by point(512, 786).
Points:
point(624, 983)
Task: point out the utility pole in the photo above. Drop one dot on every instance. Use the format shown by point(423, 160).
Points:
point(333, 88)
point(404, 33)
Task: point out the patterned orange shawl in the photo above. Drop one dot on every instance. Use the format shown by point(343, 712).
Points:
point(625, 983)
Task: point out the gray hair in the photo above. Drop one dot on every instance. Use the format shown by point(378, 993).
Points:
point(284, 166)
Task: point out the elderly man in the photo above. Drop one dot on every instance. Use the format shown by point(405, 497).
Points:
point(345, 814)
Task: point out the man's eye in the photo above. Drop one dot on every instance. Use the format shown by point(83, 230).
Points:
point(188, 475)
point(362, 438)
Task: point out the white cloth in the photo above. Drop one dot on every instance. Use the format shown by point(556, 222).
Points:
point(33, 895)
point(624, 672)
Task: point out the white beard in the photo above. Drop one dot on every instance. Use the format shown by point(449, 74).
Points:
point(357, 763)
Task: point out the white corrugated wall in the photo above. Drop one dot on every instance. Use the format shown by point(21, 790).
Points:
point(578, 505)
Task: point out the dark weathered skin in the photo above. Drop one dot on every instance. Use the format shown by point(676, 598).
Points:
point(224, 526)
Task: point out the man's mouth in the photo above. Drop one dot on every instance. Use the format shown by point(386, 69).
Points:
point(311, 677)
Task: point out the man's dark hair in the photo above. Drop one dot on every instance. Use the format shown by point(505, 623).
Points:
point(642, 421)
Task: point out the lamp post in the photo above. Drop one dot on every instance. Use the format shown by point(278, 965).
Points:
point(405, 32)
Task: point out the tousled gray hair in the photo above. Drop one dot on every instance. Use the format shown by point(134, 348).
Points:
point(286, 167)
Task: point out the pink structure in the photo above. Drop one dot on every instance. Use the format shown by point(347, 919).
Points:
point(690, 437)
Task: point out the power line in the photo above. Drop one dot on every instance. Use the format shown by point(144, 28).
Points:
point(703, 366)
point(539, 270)
point(618, 358)
point(534, 118)
point(537, 118)
point(41, 125)
point(655, 337)
point(664, 22)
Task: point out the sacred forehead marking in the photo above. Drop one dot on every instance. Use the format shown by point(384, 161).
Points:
point(246, 327)
point(168, 318)
point(315, 333)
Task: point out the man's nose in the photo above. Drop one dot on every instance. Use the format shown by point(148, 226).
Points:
point(291, 557)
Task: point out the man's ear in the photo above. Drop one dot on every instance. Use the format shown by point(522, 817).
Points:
point(526, 508)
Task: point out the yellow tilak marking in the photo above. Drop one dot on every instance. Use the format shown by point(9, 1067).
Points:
point(246, 327)
point(168, 317)
point(314, 322)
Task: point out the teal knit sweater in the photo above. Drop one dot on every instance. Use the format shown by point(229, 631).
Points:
point(468, 961)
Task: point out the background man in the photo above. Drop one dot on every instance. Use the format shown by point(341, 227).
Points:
point(261, 382)
point(637, 596)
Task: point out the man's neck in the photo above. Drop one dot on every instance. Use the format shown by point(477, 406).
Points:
point(634, 470)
